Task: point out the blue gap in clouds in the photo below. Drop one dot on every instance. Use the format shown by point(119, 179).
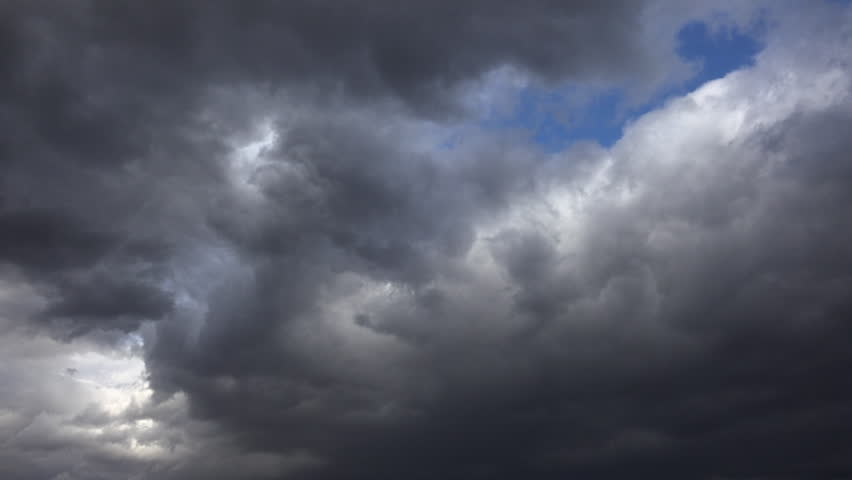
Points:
point(555, 119)
point(719, 52)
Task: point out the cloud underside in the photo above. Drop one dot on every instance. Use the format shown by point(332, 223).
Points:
point(236, 245)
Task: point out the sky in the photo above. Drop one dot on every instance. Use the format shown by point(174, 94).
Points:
point(465, 239)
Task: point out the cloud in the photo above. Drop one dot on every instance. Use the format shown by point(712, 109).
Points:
point(253, 258)
point(652, 302)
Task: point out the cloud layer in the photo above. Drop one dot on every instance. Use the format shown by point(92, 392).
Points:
point(236, 244)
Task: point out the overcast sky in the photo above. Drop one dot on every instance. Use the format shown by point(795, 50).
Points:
point(425, 239)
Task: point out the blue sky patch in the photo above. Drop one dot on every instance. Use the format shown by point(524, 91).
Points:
point(554, 119)
point(718, 52)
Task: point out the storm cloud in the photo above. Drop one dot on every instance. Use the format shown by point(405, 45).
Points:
point(282, 240)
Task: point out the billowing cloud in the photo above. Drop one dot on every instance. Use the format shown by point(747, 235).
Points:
point(237, 244)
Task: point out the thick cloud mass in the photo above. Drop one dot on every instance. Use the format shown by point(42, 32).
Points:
point(235, 243)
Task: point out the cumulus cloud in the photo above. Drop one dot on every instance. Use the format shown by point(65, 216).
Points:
point(237, 245)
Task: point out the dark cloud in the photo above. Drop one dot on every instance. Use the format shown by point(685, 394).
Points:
point(413, 50)
point(120, 101)
point(107, 304)
point(419, 52)
point(239, 193)
point(47, 240)
point(672, 335)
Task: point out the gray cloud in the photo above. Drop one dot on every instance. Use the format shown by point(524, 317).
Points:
point(253, 260)
point(120, 101)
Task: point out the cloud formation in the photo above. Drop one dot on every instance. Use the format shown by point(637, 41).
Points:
point(236, 244)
